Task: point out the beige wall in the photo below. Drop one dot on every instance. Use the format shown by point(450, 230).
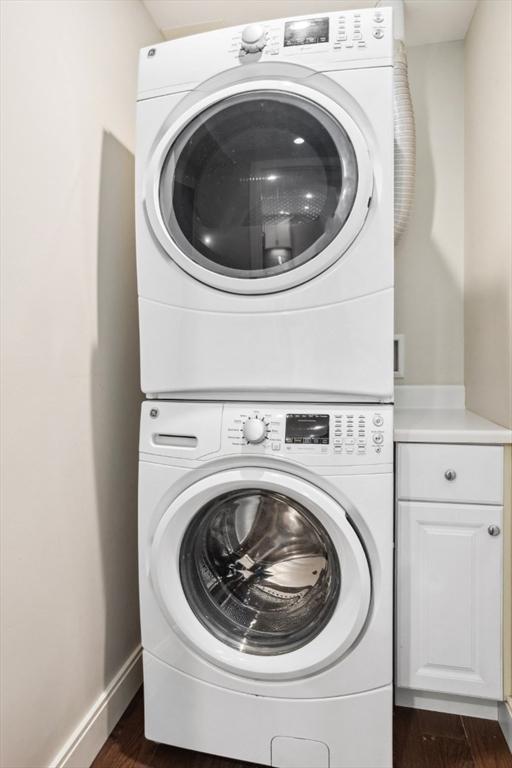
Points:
point(70, 363)
point(488, 240)
point(429, 258)
point(488, 196)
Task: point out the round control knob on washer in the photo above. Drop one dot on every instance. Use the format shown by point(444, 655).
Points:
point(255, 430)
point(253, 38)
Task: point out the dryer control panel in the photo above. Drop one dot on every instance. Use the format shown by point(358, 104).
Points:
point(349, 35)
point(320, 41)
point(351, 434)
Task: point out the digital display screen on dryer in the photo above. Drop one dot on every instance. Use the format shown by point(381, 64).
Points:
point(306, 31)
point(307, 428)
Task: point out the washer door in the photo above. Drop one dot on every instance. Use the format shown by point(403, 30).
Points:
point(258, 189)
point(261, 573)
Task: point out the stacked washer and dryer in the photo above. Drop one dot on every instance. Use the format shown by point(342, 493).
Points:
point(265, 273)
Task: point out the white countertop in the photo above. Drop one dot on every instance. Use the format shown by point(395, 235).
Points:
point(446, 425)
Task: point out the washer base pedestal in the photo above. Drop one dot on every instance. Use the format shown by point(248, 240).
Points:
point(346, 732)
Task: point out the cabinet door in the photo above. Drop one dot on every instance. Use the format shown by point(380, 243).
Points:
point(449, 587)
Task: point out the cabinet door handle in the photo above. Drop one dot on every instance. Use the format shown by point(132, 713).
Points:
point(450, 474)
point(494, 530)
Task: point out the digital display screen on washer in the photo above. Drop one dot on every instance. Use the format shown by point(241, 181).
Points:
point(306, 32)
point(307, 428)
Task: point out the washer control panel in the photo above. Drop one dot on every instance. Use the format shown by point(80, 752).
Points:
point(347, 434)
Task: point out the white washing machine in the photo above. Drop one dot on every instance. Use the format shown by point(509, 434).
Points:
point(266, 581)
point(265, 211)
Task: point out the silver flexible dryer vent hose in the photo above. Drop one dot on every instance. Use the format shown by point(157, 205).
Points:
point(405, 141)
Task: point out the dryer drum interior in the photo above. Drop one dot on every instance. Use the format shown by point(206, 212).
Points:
point(259, 571)
point(258, 184)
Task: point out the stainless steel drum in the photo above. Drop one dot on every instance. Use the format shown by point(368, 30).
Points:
point(259, 571)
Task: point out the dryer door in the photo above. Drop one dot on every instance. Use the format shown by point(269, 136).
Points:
point(258, 189)
point(262, 573)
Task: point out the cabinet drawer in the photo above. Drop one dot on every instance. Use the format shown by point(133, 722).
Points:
point(440, 472)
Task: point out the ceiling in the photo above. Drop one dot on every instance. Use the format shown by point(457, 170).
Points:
point(426, 21)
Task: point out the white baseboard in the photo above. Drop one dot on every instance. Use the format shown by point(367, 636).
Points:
point(441, 702)
point(505, 720)
point(430, 396)
point(91, 733)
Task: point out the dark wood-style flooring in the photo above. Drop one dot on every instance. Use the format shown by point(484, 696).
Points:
point(421, 740)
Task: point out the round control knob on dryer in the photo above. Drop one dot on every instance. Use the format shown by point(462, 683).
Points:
point(255, 430)
point(253, 38)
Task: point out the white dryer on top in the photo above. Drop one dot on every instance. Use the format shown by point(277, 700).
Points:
point(265, 211)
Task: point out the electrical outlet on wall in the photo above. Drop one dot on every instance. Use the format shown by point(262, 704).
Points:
point(399, 355)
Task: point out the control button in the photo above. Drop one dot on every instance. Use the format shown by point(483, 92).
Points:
point(276, 446)
point(337, 449)
point(356, 36)
point(253, 38)
point(378, 33)
point(378, 18)
point(378, 420)
point(378, 438)
point(255, 430)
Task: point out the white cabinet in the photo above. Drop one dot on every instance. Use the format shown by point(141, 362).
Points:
point(449, 571)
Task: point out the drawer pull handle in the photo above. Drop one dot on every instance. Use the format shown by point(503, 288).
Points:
point(450, 474)
point(494, 530)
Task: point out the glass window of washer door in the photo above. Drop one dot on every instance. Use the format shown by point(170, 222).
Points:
point(258, 184)
point(259, 571)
